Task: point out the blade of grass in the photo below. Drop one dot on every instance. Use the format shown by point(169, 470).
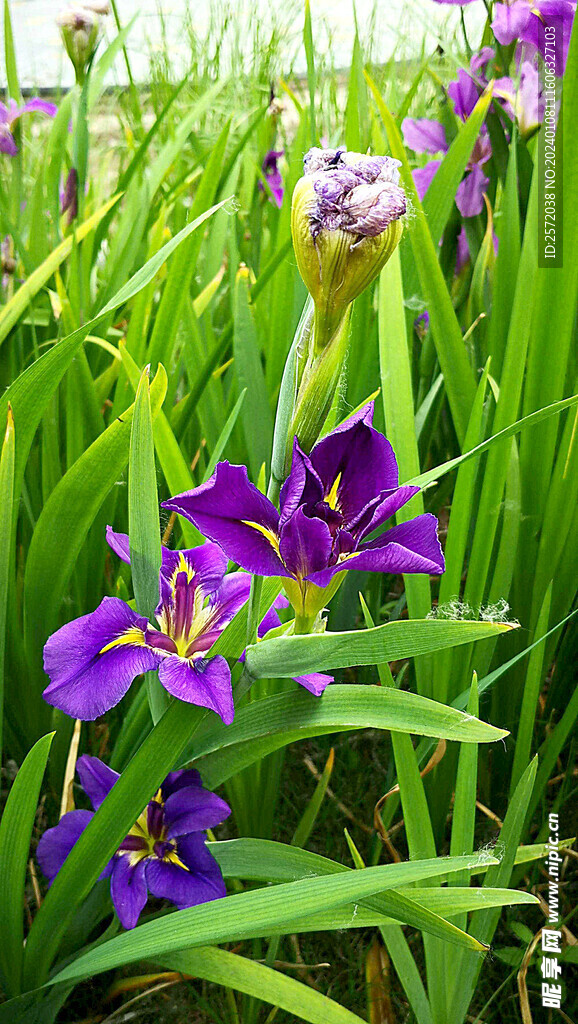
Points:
point(396, 388)
point(15, 833)
point(484, 922)
point(144, 525)
point(291, 656)
point(7, 459)
point(232, 971)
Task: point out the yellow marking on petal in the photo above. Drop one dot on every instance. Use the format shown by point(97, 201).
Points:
point(268, 534)
point(331, 498)
point(135, 856)
point(173, 858)
point(140, 827)
point(133, 636)
point(182, 566)
point(348, 554)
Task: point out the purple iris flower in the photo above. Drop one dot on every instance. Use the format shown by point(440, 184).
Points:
point(273, 176)
point(526, 22)
point(426, 135)
point(93, 660)
point(8, 115)
point(164, 852)
point(523, 100)
point(330, 503)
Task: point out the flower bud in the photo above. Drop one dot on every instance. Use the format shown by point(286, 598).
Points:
point(345, 221)
point(80, 26)
point(69, 196)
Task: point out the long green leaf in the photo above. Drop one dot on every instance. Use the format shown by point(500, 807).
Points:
point(10, 55)
point(143, 509)
point(15, 832)
point(296, 655)
point(396, 389)
point(70, 512)
point(251, 913)
point(432, 475)
point(237, 972)
point(7, 458)
point(16, 306)
point(274, 722)
point(143, 523)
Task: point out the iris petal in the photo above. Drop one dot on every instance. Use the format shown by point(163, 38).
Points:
point(305, 544)
point(56, 843)
point(202, 881)
point(194, 809)
point(355, 462)
point(128, 889)
point(224, 508)
point(205, 682)
point(90, 662)
point(410, 547)
point(96, 778)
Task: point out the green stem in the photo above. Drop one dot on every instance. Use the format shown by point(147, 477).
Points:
point(303, 623)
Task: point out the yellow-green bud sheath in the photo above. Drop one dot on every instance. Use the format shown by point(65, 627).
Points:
point(346, 222)
point(335, 265)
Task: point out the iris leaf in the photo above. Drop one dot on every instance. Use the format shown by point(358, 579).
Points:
point(253, 913)
point(15, 832)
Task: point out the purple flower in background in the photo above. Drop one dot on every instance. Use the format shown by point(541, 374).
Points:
point(463, 250)
point(423, 176)
point(8, 115)
point(331, 502)
point(273, 176)
point(527, 21)
point(466, 90)
point(523, 100)
point(426, 135)
point(421, 324)
point(7, 261)
point(470, 192)
point(93, 660)
point(164, 852)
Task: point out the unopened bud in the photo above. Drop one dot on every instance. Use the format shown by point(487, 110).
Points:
point(7, 261)
point(69, 197)
point(346, 222)
point(80, 27)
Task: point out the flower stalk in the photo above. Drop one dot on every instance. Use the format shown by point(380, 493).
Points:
point(346, 222)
